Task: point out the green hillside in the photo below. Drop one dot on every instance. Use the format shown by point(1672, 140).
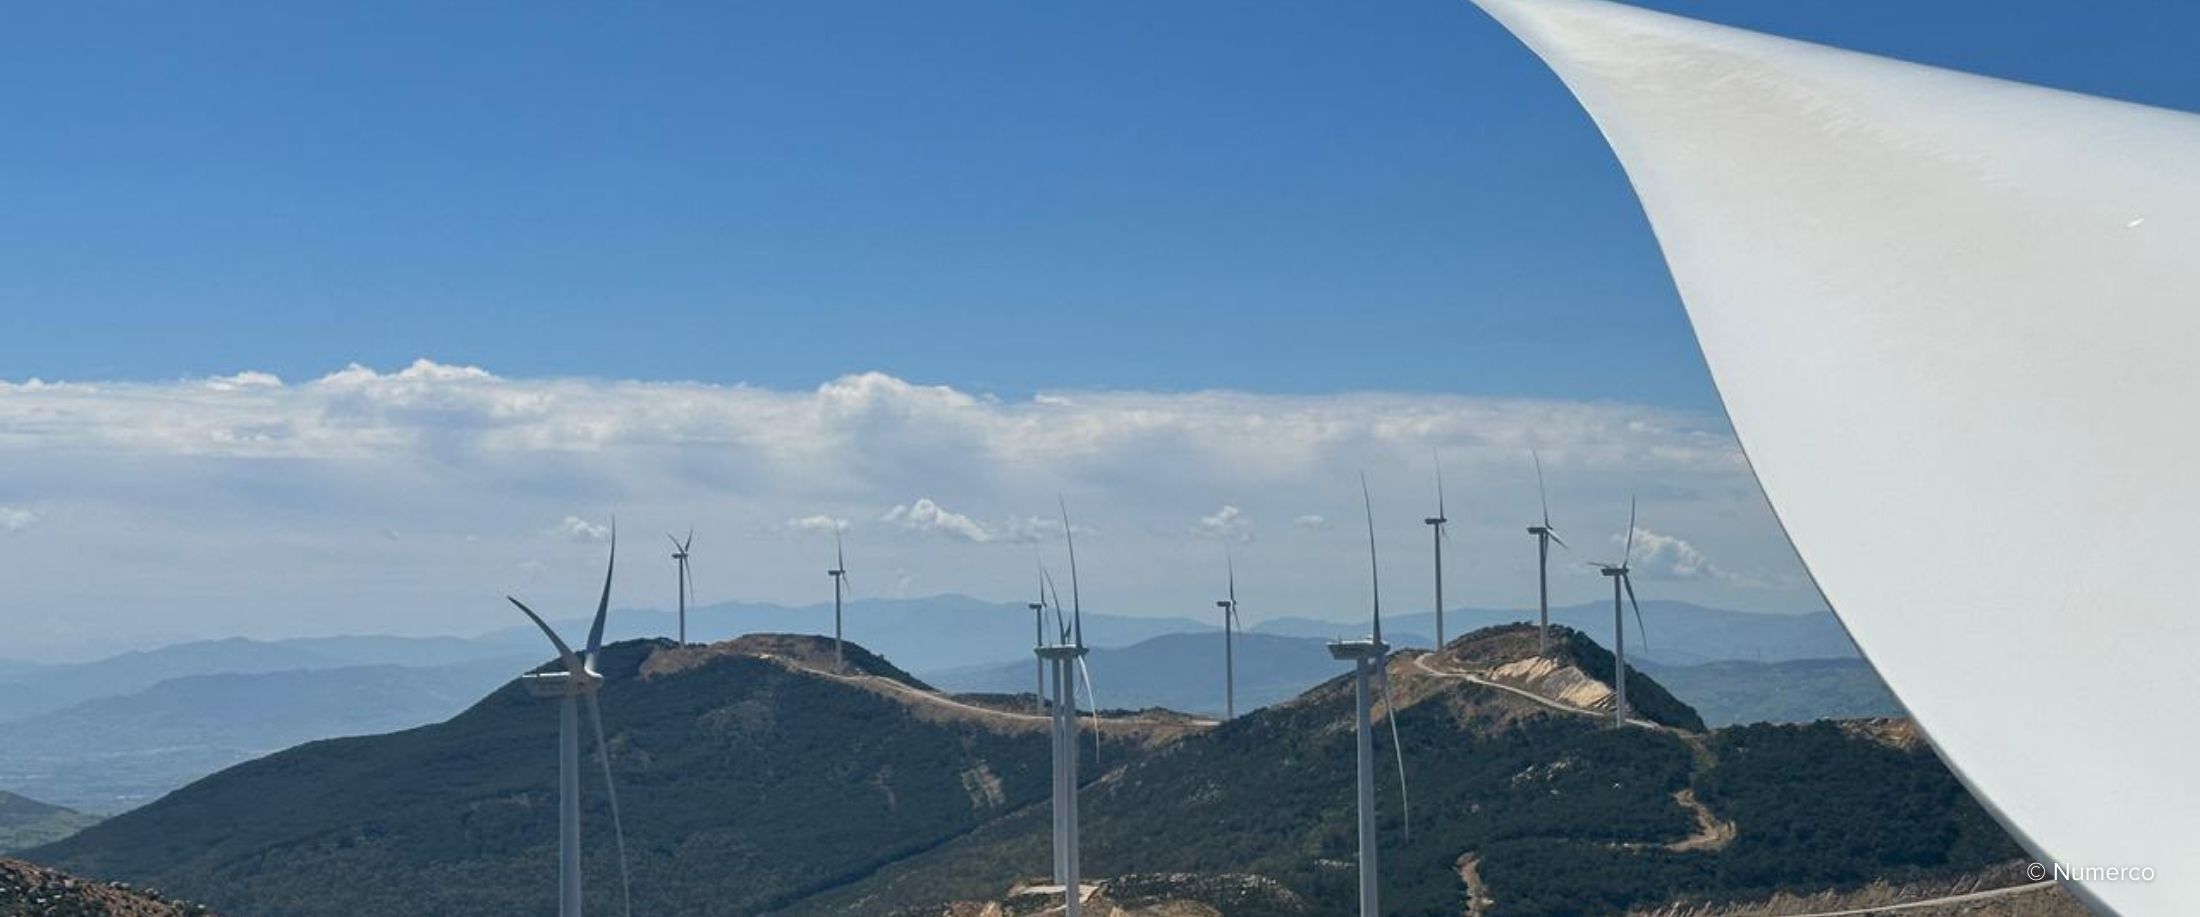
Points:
point(746, 782)
point(26, 823)
point(756, 784)
point(1558, 812)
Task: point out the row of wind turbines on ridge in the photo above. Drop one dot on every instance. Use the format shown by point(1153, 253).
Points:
point(1061, 665)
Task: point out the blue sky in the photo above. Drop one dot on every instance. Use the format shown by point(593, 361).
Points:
point(1194, 266)
point(1002, 196)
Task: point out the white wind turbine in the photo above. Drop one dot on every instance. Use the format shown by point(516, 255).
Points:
point(687, 582)
point(579, 682)
point(1065, 661)
point(1039, 637)
point(1229, 608)
point(1623, 580)
point(1437, 523)
point(1370, 657)
point(1545, 535)
point(839, 573)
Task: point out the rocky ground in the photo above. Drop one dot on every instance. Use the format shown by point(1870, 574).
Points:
point(29, 891)
point(1151, 895)
point(2000, 892)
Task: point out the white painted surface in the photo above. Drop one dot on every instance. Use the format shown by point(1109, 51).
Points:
point(1955, 321)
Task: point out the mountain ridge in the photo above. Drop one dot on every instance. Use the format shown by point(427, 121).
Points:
point(758, 781)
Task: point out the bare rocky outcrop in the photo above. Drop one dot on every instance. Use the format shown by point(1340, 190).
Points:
point(1147, 895)
point(31, 891)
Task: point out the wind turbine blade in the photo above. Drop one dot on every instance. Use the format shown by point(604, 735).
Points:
point(565, 653)
point(603, 605)
point(1629, 582)
point(1628, 556)
point(611, 790)
point(1375, 573)
point(690, 542)
point(1440, 491)
point(676, 545)
point(840, 557)
point(1231, 564)
point(1076, 603)
point(1561, 542)
point(1541, 494)
point(1060, 624)
point(1398, 748)
point(1094, 700)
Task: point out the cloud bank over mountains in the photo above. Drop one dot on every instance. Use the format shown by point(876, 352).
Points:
point(408, 500)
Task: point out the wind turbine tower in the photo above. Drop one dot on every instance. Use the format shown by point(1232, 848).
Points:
point(1544, 537)
point(839, 573)
point(1063, 660)
point(1039, 639)
point(572, 687)
point(1229, 608)
point(1622, 582)
point(1369, 658)
point(680, 555)
point(1436, 524)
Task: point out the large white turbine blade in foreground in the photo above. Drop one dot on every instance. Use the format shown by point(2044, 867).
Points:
point(1952, 319)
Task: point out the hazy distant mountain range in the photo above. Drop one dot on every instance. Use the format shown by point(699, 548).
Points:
point(1680, 633)
point(107, 735)
point(1184, 672)
point(940, 632)
point(111, 754)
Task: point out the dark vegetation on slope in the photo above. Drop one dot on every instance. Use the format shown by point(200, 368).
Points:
point(1564, 814)
point(746, 785)
point(753, 788)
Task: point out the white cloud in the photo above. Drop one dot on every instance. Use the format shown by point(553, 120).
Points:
point(1227, 524)
point(579, 529)
point(1671, 557)
point(191, 477)
point(247, 379)
point(16, 518)
point(815, 523)
point(928, 517)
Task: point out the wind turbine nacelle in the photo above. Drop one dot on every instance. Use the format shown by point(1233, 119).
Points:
point(1363, 648)
point(558, 684)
